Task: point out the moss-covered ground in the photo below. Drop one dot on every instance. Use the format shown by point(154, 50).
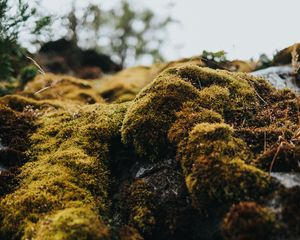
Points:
point(171, 151)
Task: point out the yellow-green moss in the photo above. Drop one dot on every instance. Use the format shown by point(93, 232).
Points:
point(211, 139)
point(69, 224)
point(215, 98)
point(153, 111)
point(68, 170)
point(151, 114)
point(64, 88)
point(138, 206)
point(248, 220)
point(213, 162)
point(190, 114)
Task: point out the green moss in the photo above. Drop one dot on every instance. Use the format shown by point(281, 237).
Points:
point(154, 110)
point(248, 220)
point(69, 224)
point(68, 172)
point(215, 98)
point(151, 114)
point(213, 162)
point(190, 114)
point(211, 139)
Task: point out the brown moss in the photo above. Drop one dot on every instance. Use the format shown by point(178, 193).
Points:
point(241, 66)
point(127, 82)
point(284, 156)
point(138, 206)
point(64, 88)
point(289, 199)
point(15, 129)
point(248, 220)
point(285, 55)
point(129, 233)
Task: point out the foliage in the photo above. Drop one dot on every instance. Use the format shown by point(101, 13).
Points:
point(14, 19)
point(264, 62)
point(219, 56)
point(124, 32)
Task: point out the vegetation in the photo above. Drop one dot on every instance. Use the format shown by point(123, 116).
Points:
point(178, 150)
point(125, 33)
point(14, 16)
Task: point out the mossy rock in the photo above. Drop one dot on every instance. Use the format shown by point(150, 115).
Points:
point(68, 169)
point(151, 114)
point(215, 169)
point(154, 110)
point(69, 224)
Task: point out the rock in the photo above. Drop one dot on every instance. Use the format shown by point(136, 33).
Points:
point(64, 57)
point(280, 77)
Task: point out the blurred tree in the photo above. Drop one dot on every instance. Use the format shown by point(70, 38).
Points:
point(123, 32)
point(264, 62)
point(14, 18)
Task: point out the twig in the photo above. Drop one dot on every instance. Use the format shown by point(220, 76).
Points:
point(40, 70)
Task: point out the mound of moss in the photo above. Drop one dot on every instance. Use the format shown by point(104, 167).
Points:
point(63, 189)
point(186, 144)
point(249, 220)
point(63, 88)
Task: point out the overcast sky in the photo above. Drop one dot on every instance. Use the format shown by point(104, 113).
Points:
point(243, 28)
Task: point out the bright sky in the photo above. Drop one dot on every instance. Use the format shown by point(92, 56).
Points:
point(243, 28)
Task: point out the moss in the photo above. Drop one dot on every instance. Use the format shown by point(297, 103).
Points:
point(211, 139)
point(248, 220)
point(261, 139)
point(129, 233)
point(190, 114)
point(68, 170)
point(289, 199)
point(64, 88)
point(213, 162)
point(151, 114)
point(138, 206)
point(284, 56)
point(241, 66)
point(215, 98)
point(125, 85)
point(15, 127)
point(284, 155)
point(68, 224)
